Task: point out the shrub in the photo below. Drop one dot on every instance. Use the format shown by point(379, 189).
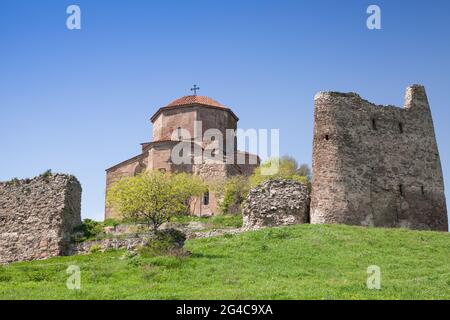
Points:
point(166, 242)
point(110, 223)
point(46, 175)
point(284, 168)
point(174, 236)
point(14, 181)
point(89, 229)
point(95, 248)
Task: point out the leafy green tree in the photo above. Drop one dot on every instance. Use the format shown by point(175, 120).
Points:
point(304, 171)
point(186, 186)
point(234, 190)
point(153, 197)
point(288, 168)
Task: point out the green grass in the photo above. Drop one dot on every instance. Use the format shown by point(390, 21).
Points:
point(297, 262)
point(214, 222)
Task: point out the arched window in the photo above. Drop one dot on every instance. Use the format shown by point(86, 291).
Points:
point(180, 137)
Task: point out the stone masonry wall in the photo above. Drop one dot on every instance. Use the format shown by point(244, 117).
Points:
point(37, 217)
point(276, 202)
point(376, 165)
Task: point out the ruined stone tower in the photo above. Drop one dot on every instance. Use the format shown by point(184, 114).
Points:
point(376, 165)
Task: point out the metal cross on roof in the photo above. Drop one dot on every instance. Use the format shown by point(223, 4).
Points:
point(195, 89)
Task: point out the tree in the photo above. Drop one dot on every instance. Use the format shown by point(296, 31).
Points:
point(186, 186)
point(153, 197)
point(288, 168)
point(233, 190)
point(304, 171)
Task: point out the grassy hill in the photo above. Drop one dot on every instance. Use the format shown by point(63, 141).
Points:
point(297, 262)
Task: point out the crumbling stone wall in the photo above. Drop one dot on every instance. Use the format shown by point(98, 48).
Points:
point(37, 217)
point(276, 203)
point(376, 165)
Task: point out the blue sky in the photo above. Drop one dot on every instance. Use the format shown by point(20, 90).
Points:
point(80, 101)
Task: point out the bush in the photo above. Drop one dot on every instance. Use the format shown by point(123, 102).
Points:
point(14, 181)
point(95, 248)
point(166, 242)
point(46, 175)
point(89, 229)
point(111, 223)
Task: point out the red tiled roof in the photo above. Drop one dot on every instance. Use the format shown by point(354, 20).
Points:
point(194, 100)
point(186, 100)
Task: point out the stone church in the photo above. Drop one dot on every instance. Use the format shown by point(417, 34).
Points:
point(194, 123)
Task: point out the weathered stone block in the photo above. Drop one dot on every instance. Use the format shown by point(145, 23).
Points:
point(276, 203)
point(37, 217)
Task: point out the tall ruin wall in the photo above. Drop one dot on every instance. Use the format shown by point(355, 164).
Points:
point(37, 217)
point(376, 165)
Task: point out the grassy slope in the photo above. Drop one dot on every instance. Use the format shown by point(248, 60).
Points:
point(297, 262)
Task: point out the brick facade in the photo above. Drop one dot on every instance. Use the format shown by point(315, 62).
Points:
point(199, 122)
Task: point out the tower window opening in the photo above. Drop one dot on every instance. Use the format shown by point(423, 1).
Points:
point(400, 189)
point(374, 124)
point(327, 137)
point(180, 137)
point(423, 190)
point(400, 127)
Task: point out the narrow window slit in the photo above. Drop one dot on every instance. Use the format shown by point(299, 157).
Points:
point(400, 127)
point(206, 198)
point(374, 124)
point(400, 189)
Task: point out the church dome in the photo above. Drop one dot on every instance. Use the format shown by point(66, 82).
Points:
point(188, 100)
point(193, 100)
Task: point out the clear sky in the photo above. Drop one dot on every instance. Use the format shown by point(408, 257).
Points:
point(79, 101)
